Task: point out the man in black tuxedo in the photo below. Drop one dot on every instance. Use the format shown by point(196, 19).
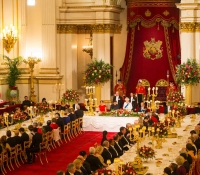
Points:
point(26, 102)
point(117, 145)
point(35, 145)
point(197, 109)
point(118, 99)
point(133, 100)
point(106, 153)
point(17, 138)
point(10, 140)
point(59, 122)
point(78, 112)
point(86, 165)
point(114, 106)
point(124, 140)
point(166, 108)
point(71, 169)
point(24, 136)
point(94, 161)
point(112, 149)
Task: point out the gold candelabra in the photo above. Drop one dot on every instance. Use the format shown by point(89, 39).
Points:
point(89, 48)
point(30, 113)
point(151, 104)
point(9, 37)
point(59, 87)
point(90, 91)
point(31, 61)
point(6, 119)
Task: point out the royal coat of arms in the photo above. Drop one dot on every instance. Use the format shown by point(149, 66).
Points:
point(152, 50)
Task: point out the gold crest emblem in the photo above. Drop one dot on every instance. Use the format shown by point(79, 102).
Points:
point(152, 50)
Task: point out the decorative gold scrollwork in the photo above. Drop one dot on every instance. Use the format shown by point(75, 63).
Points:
point(161, 83)
point(145, 82)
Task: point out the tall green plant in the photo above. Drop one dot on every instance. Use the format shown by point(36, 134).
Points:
point(14, 72)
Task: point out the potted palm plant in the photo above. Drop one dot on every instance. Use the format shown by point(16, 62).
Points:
point(13, 75)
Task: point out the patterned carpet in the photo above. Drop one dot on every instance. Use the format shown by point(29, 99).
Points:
point(61, 156)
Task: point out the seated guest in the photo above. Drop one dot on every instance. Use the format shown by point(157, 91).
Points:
point(117, 145)
point(114, 106)
point(102, 106)
point(26, 112)
point(125, 142)
point(133, 101)
point(104, 137)
point(66, 119)
point(54, 125)
point(26, 102)
point(167, 171)
point(146, 122)
point(192, 143)
point(127, 105)
point(86, 165)
point(40, 127)
point(186, 163)
point(154, 118)
point(98, 152)
point(74, 105)
point(24, 136)
point(60, 172)
point(35, 146)
point(30, 128)
point(62, 106)
point(196, 141)
point(59, 122)
point(35, 124)
point(78, 112)
point(44, 101)
point(118, 99)
point(17, 138)
point(142, 108)
point(181, 169)
point(197, 109)
point(4, 144)
point(47, 128)
point(93, 160)
point(112, 149)
point(106, 153)
point(78, 165)
point(173, 168)
point(191, 150)
point(10, 140)
point(72, 114)
point(71, 169)
point(192, 133)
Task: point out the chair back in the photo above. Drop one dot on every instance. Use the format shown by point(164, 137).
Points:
point(13, 152)
point(18, 148)
point(4, 155)
point(73, 124)
point(26, 144)
point(66, 128)
point(56, 134)
point(43, 146)
point(44, 137)
point(80, 120)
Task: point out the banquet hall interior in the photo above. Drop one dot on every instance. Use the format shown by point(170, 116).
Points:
point(47, 51)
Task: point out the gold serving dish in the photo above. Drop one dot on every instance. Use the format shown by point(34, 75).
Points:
point(165, 155)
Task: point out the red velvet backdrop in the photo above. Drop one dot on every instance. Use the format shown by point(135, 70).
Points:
point(161, 24)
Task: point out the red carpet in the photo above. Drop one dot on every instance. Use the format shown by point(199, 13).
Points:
point(60, 157)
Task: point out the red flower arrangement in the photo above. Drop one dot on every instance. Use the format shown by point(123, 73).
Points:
point(119, 113)
point(127, 169)
point(175, 98)
point(42, 108)
point(146, 152)
point(19, 117)
point(169, 121)
point(70, 96)
point(104, 171)
point(160, 129)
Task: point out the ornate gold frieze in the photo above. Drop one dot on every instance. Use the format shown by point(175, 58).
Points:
point(87, 28)
point(145, 82)
point(175, 1)
point(190, 26)
point(152, 4)
point(162, 83)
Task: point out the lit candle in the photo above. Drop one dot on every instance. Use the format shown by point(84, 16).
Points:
point(149, 90)
point(153, 89)
point(156, 90)
point(93, 89)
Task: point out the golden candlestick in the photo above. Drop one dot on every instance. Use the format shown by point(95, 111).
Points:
point(152, 103)
point(30, 113)
point(31, 61)
point(59, 87)
point(6, 120)
point(90, 91)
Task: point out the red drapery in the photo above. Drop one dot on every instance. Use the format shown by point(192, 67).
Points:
point(147, 21)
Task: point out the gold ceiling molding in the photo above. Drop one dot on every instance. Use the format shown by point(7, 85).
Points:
point(87, 28)
point(190, 26)
point(175, 1)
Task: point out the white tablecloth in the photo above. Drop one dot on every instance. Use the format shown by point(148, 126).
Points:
point(130, 155)
point(110, 124)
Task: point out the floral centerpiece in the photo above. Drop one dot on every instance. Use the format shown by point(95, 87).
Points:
point(175, 98)
point(19, 117)
point(188, 73)
point(170, 121)
point(119, 113)
point(42, 108)
point(146, 152)
point(97, 72)
point(127, 169)
point(161, 129)
point(70, 96)
point(104, 171)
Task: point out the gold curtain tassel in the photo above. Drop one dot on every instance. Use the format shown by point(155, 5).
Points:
point(158, 27)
